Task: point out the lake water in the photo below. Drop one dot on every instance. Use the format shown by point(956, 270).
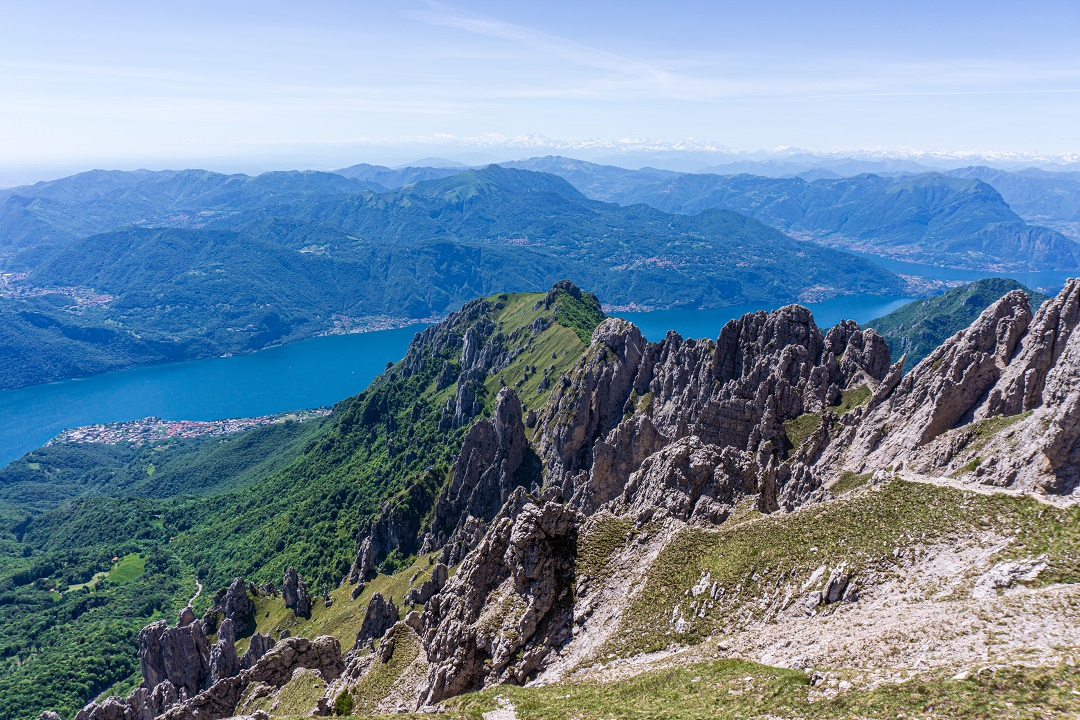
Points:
point(1048, 282)
point(707, 323)
point(322, 371)
point(307, 374)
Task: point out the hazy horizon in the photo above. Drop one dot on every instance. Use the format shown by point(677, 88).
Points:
point(124, 84)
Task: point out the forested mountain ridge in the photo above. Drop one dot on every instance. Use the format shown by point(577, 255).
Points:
point(249, 505)
point(929, 218)
point(286, 256)
point(916, 329)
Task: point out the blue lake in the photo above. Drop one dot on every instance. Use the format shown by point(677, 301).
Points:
point(1046, 281)
point(707, 323)
point(322, 371)
point(307, 374)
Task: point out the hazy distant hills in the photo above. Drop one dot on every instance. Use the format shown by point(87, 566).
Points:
point(1050, 198)
point(391, 179)
point(959, 219)
point(197, 263)
point(200, 263)
point(930, 218)
point(601, 182)
point(48, 215)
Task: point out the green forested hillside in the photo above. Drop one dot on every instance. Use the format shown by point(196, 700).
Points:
point(929, 218)
point(297, 254)
point(917, 328)
point(250, 505)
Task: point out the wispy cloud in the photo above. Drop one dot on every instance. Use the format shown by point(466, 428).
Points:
point(718, 78)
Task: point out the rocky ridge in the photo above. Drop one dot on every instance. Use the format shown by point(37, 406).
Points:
point(661, 436)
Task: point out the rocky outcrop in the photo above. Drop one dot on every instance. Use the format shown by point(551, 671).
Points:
point(427, 589)
point(275, 669)
point(223, 660)
point(237, 605)
point(488, 468)
point(380, 616)
point(627, 399)
point(691, 481)
point(996, 404)
point(258, 646)
point(186, 617)
point(178, 655)
point(363, 566)
point(295, 594)
point(510, 603)
point(141, 704)
point(1021, 385)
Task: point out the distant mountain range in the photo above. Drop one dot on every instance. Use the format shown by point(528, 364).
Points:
point(957, 220)
point(197, 263)
point(123, 268)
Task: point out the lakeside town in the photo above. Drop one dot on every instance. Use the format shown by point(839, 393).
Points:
point(13, 287)
point(150, 429)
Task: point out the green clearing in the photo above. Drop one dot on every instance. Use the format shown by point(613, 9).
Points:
point(127, 568)
point(851, 399)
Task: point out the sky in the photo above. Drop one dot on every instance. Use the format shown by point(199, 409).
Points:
point(117, 83)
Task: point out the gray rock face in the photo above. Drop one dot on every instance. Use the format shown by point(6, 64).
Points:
point(627, 399)
point(238, 606)
point(178, 655)
point(258, 646)
point(487, 469)
point(692, 481)
point(295, 594)
point(363, 566)
point(186, 617)
point(959, 411)
point(223, 660)
point(420, 595)
point(275, 668)
point(523, 572)
point(381, 615)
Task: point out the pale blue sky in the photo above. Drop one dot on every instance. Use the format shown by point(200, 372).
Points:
point(118, 82)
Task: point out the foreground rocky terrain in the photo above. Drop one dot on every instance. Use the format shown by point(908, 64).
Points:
point(780, 523)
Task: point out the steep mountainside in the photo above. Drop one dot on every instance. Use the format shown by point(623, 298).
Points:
point(1046, 198)
point(775, 522)
point(929, 218)
point(281, 496)
point(293, 255)
point(919, 327)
